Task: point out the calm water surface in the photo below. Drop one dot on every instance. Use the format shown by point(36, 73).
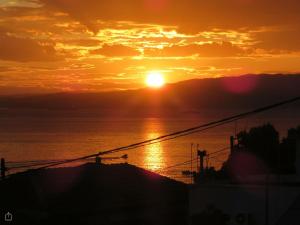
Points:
point(28, 138)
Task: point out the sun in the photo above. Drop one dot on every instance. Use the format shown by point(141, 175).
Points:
point(155, 79)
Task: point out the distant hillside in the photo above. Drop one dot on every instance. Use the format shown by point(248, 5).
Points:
point(248, 91)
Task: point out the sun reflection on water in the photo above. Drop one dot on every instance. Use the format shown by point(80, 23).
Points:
point(153, 154)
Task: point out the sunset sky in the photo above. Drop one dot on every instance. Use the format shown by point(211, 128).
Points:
point(99, 45)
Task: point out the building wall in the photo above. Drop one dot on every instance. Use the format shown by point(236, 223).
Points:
point(246, 199)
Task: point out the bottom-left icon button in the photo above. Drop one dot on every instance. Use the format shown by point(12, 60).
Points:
point(8, 217)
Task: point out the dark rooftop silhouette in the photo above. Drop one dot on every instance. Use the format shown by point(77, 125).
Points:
point(95, 194)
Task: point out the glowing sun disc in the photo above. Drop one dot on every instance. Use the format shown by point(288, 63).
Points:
point(155, 80)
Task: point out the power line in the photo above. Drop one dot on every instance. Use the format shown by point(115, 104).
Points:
point(171, 138)
point(178, 164)
point(46, 162)
point(133, 146)
point(216, 152)
point(180, 133)
point(217, 123)
point(194, 159)
point(34, 163)
point(30, 161)
point(59, 162)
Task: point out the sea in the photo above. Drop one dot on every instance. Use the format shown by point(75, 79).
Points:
point(25, 139)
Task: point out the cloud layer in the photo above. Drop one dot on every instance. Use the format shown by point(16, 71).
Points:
point(25, 49)
point(97, 45)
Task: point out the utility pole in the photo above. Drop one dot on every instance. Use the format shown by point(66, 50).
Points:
point(98, 160)
point(201, 154)
point(231, 144)
point(191, 174)
point(2, 168)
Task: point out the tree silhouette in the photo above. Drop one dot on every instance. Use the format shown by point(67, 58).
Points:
point(288, 148)
point(263, 142)
point(260, 150)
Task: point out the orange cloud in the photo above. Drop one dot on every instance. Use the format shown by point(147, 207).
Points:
point(188, 15)
point(25, 49)
point(279, 40)
point(74, 44)
point(82, 42)
point(115, 51)
point(224, 49)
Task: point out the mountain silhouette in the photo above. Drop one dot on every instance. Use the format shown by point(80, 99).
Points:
point(191, 96)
